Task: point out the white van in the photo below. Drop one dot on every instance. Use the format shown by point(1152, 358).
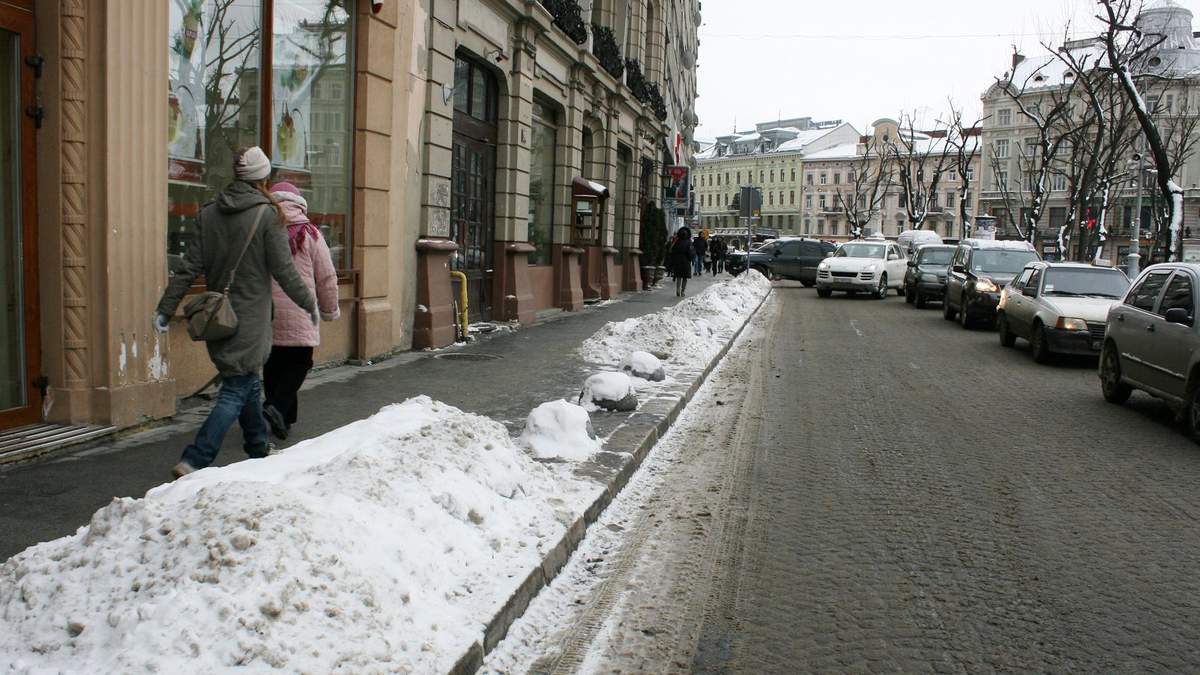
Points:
point(911, 240)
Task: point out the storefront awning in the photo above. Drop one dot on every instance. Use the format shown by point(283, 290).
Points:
point(582, 187)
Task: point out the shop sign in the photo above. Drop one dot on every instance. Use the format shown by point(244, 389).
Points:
point(680, 177)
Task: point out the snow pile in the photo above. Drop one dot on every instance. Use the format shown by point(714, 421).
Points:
point(644, 365)
point(691, 332)
point(379, 547)
point(610, 391)
point(560, 430)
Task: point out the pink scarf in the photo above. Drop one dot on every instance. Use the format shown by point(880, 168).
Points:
point(298, 232)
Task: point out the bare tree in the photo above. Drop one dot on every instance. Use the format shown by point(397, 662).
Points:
point(963, 141)
point(1127, 50)
point(1100, 139)
point(1014, 198)
point(861, 197)
point(921, 161)
point(1049, 111)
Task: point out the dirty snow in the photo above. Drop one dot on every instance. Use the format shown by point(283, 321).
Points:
point(560, 430)
point(382, 546)
point(690, 332)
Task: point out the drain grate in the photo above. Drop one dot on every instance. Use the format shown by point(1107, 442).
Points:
point(468, 356)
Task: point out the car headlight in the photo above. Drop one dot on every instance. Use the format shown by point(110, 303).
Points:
point(929, 277)
point(823, 266)
point(986, 285)
point(1067, 323)
point(870, 268)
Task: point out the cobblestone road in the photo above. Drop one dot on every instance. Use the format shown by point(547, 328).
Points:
point(916, 499)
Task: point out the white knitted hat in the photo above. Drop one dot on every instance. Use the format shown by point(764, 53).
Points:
point(253, 165)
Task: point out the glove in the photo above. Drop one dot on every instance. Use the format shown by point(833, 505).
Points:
point(161, 323)
point(315, 316)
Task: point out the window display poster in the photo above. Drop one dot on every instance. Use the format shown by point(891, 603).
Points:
point(185, 97)
point(680, 183)
point(295, 70)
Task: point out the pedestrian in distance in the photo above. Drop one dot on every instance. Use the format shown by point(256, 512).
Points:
point(240, 245)
point(700, 247)
point(716, 253)
point(295, 335)
point(681, 260)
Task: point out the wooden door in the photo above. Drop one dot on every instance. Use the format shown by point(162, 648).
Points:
point(473, 222)
point(20, 340)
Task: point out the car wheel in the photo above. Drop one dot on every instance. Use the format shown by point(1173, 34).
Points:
point(919, 301)
point(824, 292)
point(964, 317)
point(1114, 390)
point(1039, 344)
point(902, 290)
point(881, 292)
point(1007, 339)
point(1191, 414)
point(910, 296)
point(948, 312)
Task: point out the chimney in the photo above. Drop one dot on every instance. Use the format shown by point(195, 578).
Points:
point(1018, 57)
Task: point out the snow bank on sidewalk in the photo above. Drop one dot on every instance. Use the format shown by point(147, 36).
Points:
point(382, 546)
point(690, 332)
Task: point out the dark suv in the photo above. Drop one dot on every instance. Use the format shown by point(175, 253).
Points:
point(926, 276)
point(980, 268)
point(795, 259)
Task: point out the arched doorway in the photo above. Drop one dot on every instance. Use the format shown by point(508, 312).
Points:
point(473, 181)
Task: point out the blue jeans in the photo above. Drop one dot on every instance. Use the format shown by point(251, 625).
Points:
point(240, 400)
point(697, 265)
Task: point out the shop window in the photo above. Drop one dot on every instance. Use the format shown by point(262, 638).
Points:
point(541, 182)
point(216, 105)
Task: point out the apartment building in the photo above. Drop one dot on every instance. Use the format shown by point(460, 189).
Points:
point(1009, 136)
point(801, 166)
point(769, 157)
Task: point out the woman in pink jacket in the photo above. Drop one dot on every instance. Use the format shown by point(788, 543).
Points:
point(295, 333)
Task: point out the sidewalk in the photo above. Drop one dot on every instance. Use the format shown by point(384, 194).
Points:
point(502, 376)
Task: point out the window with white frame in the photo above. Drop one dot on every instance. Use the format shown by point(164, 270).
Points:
point(1004, 117)
point(1000, 147)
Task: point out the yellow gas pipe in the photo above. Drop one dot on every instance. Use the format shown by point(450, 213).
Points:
point(464, 324)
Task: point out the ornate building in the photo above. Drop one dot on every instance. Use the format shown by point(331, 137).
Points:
point(512, 141)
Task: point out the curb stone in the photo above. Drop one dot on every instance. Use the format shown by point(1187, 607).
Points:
point(639, 441)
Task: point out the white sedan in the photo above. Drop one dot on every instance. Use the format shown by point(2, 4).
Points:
point(863, 266)
point(1060, 308)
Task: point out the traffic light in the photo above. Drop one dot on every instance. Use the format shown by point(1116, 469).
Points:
point(750, 203)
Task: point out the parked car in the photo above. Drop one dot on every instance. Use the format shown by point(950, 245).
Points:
point(980, 268)
point(1060, 308)
point(925, 279)
point(791, 258)
point(863, 266)
point(1152, 342)
point(911, 240)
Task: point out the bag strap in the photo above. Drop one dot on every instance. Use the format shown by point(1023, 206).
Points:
point(245, 245)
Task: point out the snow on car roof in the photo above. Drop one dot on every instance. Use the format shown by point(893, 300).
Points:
point(997, 243)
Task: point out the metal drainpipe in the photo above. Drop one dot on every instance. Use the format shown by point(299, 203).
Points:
point(464, 324)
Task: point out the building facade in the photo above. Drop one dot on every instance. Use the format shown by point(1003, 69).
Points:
point(472, 136)
point(802, 166)
point(769, 157)
point(1010, 136)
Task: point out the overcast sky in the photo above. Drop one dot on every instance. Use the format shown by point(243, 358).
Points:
point(859, 60)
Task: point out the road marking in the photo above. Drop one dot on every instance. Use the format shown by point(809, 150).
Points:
point(854, 325)
point(913, 366)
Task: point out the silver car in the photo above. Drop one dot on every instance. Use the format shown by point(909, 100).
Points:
point(1060, 308)
point(1152, 339)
